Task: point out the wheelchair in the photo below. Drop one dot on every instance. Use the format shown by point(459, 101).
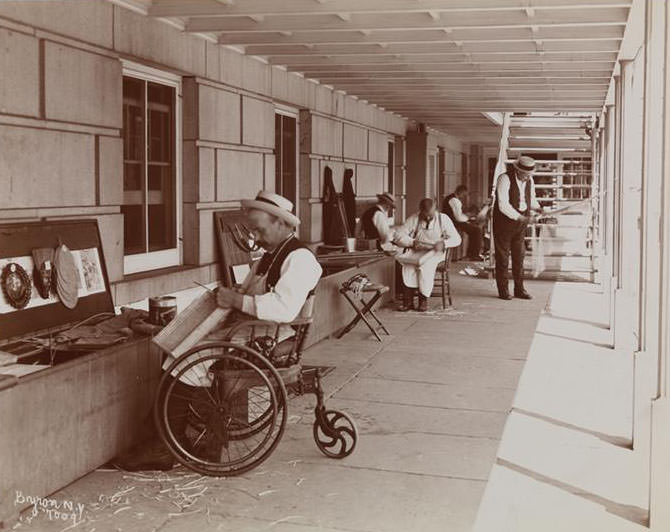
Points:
point(233, 416)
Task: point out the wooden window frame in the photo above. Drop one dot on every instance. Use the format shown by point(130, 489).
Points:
point(165, 258)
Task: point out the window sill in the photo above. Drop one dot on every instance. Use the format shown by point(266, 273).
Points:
point(138, 286)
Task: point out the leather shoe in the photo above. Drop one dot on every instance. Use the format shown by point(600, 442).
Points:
point(505, 297)
point(423, 303)
point(407, 300)
point(522, 295)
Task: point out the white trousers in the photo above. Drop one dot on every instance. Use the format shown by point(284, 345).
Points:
point(422, 277)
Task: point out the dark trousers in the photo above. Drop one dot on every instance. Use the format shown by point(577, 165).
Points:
point(474, 233)
point(508, 237)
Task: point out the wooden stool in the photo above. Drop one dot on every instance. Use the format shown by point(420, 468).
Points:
point(364, 308)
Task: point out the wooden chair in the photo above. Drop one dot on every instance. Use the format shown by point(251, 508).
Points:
point(443, 273)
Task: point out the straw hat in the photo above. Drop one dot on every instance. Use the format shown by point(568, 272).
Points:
point(524, 164)
point(273, 204)
point(386, 198)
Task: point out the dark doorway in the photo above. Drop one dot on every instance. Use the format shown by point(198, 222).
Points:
point(389, 168)
point(285, 156)
point(441, 174)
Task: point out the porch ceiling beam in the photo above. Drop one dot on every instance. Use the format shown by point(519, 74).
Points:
point(615, 16)
point(480, 75)
point(299, 61)
point(466, 84)
point(204, 8)
point(472, 73)
point(458, 89)
point(440, 66)
point(435, 118)
point(443, 106)
point(364, 94)
point(480, 97)
point(454, 101)
point(550, 36)
point(299, 53)
point(436, 93)
point(462, 66)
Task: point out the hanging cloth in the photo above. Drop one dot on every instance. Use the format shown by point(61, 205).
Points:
point(334, 220)
point(349, 198)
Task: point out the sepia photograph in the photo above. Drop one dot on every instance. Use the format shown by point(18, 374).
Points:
point(335, 265)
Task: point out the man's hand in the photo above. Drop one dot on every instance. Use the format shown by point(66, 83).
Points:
point(524, 219)
point(439, 246)
point(227, 298)
point(421, 246)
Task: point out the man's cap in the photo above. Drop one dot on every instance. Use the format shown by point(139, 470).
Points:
point(273, 204)
point(387, 198)
point(525, 164)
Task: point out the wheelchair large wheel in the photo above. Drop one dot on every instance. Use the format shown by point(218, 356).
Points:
point(233, 419)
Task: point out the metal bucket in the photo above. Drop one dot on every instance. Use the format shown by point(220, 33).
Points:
point(162, 309)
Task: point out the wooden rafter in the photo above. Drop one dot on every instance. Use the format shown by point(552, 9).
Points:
point(434, 61)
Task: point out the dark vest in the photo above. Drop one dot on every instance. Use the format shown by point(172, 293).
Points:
point(514, 198)
point(446, 208)
point(273, 265)
point(369, 229)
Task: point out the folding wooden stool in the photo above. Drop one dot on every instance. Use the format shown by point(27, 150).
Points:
point(363, 308)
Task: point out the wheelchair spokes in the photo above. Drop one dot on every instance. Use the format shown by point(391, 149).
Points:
point(231, 423)
point(221, 409)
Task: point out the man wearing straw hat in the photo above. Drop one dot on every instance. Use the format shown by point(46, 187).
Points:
point(513, 203)
point(374, 223)
point(277, 285)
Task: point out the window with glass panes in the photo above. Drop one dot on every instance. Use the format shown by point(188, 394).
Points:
point(149, 166)
point(286, 174)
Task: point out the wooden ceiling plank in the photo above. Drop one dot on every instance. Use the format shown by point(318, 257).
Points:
point(441, 58)
point(482, 36)
point(206, 8)
point(430, 66)
point(408, 21)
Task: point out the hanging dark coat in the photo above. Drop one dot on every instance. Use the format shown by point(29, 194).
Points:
point(349, 198)
point(334, 221)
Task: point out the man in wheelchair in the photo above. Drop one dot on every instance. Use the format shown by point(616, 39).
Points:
point(271, 297)
point(277, 286)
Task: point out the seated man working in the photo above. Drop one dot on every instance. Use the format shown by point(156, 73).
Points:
point(425, 235)
point(374, 223)
point(275, 289)
point(277, 286)
point(453, 207)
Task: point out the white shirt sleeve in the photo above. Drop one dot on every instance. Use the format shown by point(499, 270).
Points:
point(452, 237)
point(404, 236)
point(504, 205)
point(300, 272)
point(534, 204)
point(457, 208)
point(380, 221)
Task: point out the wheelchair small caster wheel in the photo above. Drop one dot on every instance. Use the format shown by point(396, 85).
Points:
point(335, 433)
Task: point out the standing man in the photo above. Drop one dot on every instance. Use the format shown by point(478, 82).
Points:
point(513, 203)
point(425, 235)
point(453, 207)
point(374, 223)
